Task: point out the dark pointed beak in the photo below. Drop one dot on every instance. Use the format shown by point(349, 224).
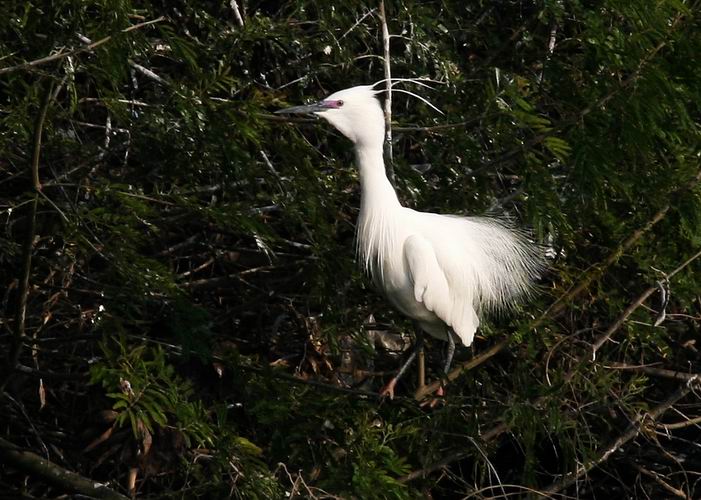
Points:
point(303, 110)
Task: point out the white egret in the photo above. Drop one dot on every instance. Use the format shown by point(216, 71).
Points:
point(442, 271)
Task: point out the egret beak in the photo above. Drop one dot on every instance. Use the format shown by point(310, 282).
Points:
point(304, 110)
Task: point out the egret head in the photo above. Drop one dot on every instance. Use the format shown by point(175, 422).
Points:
point(355, 112)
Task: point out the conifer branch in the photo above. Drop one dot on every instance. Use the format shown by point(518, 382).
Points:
point(560, 304)
point(85, 48)
point(631, 433)
point(636, 304)
point(502, 427)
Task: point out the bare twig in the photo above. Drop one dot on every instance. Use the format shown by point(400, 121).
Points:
point(502, 427)
point(560, 304)
point(608, 450)
point(388, 97)
point(107, 128)
point(680, 425)
point(656, 477)
point(349, 30)
point(453, 457)
point(38, 130)
point(180, 245)
point(237, 13)
point(149, 73)
point(28, 247)
point(424, 391)
point(85, 48)
point(635, 304)
point(34, 465)
point(443, 126)
point(657, 372)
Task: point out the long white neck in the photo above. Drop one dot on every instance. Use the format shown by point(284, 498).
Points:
point(379, 206)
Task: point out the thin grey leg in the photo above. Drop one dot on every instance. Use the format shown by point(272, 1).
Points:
point(417, 347)
point(388, 390)
point(449, 352)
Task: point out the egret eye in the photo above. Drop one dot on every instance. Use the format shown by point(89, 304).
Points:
point(339, 103)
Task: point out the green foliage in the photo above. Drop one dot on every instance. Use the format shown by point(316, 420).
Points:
point(148, 394)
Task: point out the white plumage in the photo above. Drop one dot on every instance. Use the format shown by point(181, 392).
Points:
point(442, 271)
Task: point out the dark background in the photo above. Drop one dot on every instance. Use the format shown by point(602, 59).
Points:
point(181, 304)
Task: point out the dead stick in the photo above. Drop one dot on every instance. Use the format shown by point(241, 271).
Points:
point(52, 473)
point(38, 130)
point(631, 433)
point(656, 477)
point(388, 98)
point(680, 425)
point(22, 293)
point(422, 392)
point(502, 427)
point(28, 247)
point(237, 12)
point(454, 457)
point(422, 368)
point(561, 303)
point(656, 372)
point(637, 303)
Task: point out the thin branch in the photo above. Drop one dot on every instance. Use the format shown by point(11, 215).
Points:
point(613, 257)
point(657, 372)
point(349, 30)
point(656, 477)
point(149, 74)
point(608, 450)
point(43, 374)
point(636, 304)
point(38, 130)
point(424, 391)
point(453, 457)
point(281, 375)
point(50, 472)
point(85, 48)
point(237, 13)
point(444, 126)
point(28, 247)
point(389, 167)
point(502, 427)
point(560, 303)
point(680, 425)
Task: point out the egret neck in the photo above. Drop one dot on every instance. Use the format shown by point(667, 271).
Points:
point(378, 208)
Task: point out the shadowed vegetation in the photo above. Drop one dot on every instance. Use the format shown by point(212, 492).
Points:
point(182, 313)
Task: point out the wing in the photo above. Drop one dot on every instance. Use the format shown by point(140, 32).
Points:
point(432, 288)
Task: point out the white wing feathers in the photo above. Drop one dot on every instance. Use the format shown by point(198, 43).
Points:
point(433, 289)
point(430, 285)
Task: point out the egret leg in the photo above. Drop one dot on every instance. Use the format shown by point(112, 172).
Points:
point(450, 352)
point(388, 390)
point(422, 367)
